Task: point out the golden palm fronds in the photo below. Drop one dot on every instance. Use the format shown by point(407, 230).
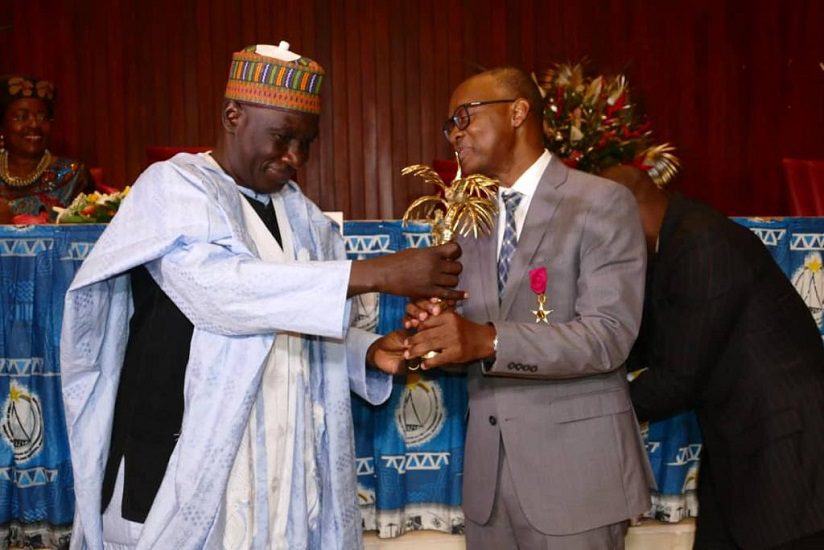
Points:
point(468, 205)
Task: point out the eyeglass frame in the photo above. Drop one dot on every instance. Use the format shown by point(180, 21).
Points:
point(452, 122)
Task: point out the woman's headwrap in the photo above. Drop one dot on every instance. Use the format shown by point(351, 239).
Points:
point(17, 86)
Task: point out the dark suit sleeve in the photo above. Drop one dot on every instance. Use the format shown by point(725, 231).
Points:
point(695, 303)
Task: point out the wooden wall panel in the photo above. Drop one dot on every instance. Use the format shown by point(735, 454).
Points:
point(735, 86)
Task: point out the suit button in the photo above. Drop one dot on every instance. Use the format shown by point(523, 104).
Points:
point(493, 420)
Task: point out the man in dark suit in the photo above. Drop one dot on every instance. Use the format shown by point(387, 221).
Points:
point(725, 333)
point(553, 454)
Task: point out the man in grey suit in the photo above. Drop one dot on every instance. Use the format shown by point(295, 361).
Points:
point(553, 455)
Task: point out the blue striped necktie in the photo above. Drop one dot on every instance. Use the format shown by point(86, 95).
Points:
point(510, 239)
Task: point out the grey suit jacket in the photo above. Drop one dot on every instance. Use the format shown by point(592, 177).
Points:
point(557, 395)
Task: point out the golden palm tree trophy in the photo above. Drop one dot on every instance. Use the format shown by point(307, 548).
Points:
point(468, 206)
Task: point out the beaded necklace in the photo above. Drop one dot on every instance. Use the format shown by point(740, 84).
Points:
point(22, 181)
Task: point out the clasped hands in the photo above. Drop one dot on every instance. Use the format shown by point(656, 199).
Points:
point(438, 328)
point(416, 273)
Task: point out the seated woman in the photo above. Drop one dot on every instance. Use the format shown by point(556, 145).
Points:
point(32, 180)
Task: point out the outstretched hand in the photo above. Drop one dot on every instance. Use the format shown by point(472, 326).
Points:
point(414, 272)
point(387, 353)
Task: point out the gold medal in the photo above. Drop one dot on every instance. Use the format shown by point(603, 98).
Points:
point(541, 314)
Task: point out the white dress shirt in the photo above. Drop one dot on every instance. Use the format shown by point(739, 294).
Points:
point(526, 184)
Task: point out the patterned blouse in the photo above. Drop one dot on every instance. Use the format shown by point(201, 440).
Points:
point(59, 184)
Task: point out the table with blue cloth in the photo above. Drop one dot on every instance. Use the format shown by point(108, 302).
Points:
point(37, 263)
point(409, 450)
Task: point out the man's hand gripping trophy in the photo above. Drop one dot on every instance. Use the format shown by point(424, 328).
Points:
point(468, 206)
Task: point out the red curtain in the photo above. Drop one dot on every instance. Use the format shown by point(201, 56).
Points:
point(734, 85)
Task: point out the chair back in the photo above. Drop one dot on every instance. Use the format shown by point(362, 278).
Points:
point(446, 169)
point(805, 186)
point(99, 179)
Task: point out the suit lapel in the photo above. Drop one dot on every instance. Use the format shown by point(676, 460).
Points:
point(541, 210)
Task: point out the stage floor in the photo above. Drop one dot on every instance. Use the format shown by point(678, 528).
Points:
point(650, 535)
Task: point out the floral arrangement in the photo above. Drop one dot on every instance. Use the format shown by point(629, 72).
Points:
point(92, 208)
point(591, 124)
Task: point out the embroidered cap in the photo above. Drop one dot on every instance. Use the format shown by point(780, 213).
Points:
point(273, 76)
point(17, 86)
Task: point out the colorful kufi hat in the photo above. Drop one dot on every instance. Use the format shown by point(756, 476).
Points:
point(273, 76)
point(16, 86)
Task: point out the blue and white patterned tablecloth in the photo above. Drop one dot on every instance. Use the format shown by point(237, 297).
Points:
point(409, 450)
point(36, 487)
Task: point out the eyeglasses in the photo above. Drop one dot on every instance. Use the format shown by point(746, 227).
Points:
point(460, 119)
point(24, 115)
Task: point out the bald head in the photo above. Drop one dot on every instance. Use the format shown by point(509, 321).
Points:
point(518, 83)
point(634, 179)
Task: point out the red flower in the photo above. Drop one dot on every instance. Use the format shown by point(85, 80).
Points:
point(537, 280)
point(638, 162)
point(619, 104)
point(30, 219)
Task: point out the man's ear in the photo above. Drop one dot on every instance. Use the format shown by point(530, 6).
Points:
point(231, 115)
point(520, 110)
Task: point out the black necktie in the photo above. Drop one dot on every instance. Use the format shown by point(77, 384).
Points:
point(268, 216)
